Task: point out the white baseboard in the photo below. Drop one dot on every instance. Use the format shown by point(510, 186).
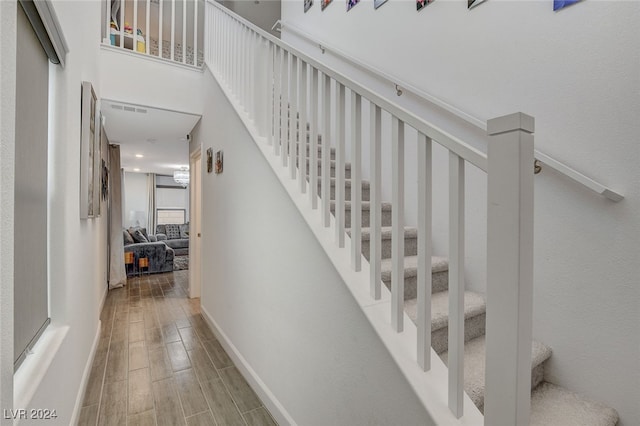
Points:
point(277, 410)
point(87, 371)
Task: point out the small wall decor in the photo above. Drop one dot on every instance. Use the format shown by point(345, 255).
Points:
point(351, 3)
point(560, 4)
point(421, 4)
point(209, 160)
point(324, 3)
point(307, 5)
point(87, 149)
point(473, 3)
point(219, 162)
point(105, 181)
point(378, 3)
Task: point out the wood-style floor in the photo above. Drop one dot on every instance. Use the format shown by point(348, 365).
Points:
point(158, 363)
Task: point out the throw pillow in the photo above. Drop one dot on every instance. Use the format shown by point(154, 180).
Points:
point(160, 229)
point(126, 236)
point(139, 237)
point(152, 238)
point(184, 231)
point(173, 232)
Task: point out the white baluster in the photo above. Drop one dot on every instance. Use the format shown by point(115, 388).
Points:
point(173, 28)
point(277, 101)
point(134, 42)
point(284, 108)
point(375, 218)
point(147, 34)
point(107, 30)
point(184, 31)
point(509, 270)
point(326, 146)
point(424, 251)
point(122, 25)
point(356, 181)
point(314, 121)
point(340, 164)
point(303, 86)
point(456, 284)
point(293, 117)
point(269, 93)
point(397, 225)
point(195, 33)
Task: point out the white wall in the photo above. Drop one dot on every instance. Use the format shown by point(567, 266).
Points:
point(145, 81)
point(136, 200)
point(77, 271)
point(263, 13)
point(8, 17)
point(271, 289)
point(577, 72)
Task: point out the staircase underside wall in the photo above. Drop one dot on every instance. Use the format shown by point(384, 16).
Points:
point(272, 291)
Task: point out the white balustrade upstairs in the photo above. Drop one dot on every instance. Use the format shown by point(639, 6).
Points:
point(157, 28)
point(288, 98)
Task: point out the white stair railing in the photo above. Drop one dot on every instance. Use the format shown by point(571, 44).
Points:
point(274, 84)
point(144, 27)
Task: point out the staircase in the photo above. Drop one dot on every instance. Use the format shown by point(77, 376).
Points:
point(551, 405)
point(269, 83)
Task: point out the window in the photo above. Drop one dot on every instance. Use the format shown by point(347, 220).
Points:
point(166, 216)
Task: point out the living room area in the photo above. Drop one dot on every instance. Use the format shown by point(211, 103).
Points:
point(154, 164)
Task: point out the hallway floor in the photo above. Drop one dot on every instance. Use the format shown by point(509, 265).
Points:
point(158, 363)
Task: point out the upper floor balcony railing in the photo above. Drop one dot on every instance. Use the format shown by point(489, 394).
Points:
point(167, 29)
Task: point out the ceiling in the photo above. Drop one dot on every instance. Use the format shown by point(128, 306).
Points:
point(159, 135)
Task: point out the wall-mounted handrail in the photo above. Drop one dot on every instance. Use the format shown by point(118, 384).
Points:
point(401, 85)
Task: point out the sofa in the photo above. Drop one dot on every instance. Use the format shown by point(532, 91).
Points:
point(174, 236)
point(160, 255)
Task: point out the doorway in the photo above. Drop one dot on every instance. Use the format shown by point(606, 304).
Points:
point(195, 269)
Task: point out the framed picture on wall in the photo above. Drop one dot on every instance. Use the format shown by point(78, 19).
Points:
point(307, 5)
point(351, 3)
point(421, 4)
point(97, 163)
point(87, 149)
point(378, 3)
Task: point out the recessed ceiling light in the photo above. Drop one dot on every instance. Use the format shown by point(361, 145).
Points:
point(136, 170)
point(139, 155)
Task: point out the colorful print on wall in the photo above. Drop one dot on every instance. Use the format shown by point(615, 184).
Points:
point(421, 4)
point(473, 3)
point(559, 4)
point(307, 5)
point(351, 3)
point(378, 3)
point(324, 3)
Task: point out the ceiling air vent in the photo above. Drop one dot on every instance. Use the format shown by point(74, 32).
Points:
point(114, 106)
point(130, 109)
point(141, 110)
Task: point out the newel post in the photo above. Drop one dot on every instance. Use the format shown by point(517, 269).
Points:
point(509, 270)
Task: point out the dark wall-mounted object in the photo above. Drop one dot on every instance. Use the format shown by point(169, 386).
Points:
point(209, 160)
point(219, 162)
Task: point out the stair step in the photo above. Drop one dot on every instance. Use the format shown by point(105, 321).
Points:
point(347, 168)
point(332, 154)
point(439, 275)
point(347, 184)
point(474, 317)
point(474, 367)
point(410, 241)
point(366, 206)
point(552, 405)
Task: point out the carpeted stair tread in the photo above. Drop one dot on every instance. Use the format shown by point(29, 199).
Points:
point(474, 366)
point(385, 233)
point(474, 305)
point(552, 405)
point(366, 205)
point(347, 182)
point(438, 264)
